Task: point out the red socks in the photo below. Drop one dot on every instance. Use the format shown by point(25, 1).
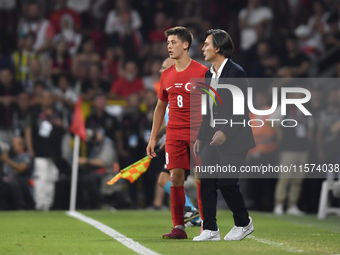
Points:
point(199, 201)
point(177, 198)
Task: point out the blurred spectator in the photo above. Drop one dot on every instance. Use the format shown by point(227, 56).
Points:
point(8, 22)
point(134, 123)
point(295, 63)
point(250, 20)
point(41, 28)
point(265, 63)
point(65, 99)
point(17, 168)
point(35, 98)
point(129, 84)
point(82, 8)
point(20, 114)
point(161, 25)
point(87, 55)
point(294, 145)
point(151, 176)
point(22, 58)
point(7, 5)
point(5, 60)
point(122, 19)
point(99, 118)
point(44, 131)
point(332, 43)
point(111, 63)
point(69, 35)
point(95, 84)
point(167, 63)
point(60, 60)
point(36, 73)
point(337, 70)
point(97, 168)
point(265, 153)
point(333, 37)
point(295, 10)
point(81, 74)
point(9, 90)
point(98, 10)
point(329, 129)
point(122, 25)
point(152, 82)
point(194, 45)
point(150, 100)
point(317, 24)
point(62, 11)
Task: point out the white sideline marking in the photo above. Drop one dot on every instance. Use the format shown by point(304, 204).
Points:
point(272, 243)
point(128, 242)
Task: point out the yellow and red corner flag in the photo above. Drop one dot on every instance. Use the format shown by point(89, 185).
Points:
point(132, 172)
point(78, 125)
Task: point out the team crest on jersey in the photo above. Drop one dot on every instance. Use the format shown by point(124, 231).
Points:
point(189, 87)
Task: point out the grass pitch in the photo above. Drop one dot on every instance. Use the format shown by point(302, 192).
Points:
point(57, 233)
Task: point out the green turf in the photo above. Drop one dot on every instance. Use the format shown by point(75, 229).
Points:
point(57, 233)
point(52, 233)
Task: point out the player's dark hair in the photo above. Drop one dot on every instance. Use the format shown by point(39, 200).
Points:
point(182, 33)
point(221, 40)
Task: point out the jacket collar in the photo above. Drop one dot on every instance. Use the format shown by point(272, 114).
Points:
point(224, 73)
point(227, 66)
point(220, 69)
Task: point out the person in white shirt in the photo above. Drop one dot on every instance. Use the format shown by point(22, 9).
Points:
point(118, 20)
point(249, 19)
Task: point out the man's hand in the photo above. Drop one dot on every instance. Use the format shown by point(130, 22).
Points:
point(59, 123)
point(335, 128)
point(7, 101)
point(4, 157)
point(124, 153)
point(150, 150)
point(82, 161)
point(197, 148)
point(162, 145)
point(218, 138)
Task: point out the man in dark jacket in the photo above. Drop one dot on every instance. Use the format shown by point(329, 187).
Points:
point(223, 144)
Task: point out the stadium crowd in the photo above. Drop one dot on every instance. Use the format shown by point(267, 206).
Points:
point(110, 53)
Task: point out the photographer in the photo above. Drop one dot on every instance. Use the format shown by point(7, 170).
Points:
point(17, 170)
point(44, 130)
point(97, 168)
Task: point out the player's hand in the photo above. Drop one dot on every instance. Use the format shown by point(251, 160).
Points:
point(150, 150)
point(218, 138)
point(197, 148)
point(162, 145)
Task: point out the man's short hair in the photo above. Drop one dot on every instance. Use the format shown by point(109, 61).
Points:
point(222, 40)
point(182, 33)
point(40, 83)
point(292, 37)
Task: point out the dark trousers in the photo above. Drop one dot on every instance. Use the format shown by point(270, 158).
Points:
point(229, 188)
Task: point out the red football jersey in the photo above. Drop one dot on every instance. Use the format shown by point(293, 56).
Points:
point(184, 101)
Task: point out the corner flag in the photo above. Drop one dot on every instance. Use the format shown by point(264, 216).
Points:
point(78, 125)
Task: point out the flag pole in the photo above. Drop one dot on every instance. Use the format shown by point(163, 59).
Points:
point(74, 181)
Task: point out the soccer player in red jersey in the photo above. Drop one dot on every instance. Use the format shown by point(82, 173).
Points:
point(184, 121)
